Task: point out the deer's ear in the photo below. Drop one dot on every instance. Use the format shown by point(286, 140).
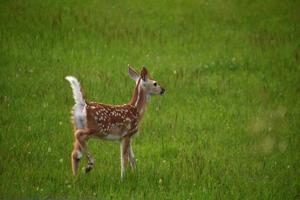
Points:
point(144, 74)
point(133, 74)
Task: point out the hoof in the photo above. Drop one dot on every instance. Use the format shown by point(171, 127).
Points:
point(88, 169)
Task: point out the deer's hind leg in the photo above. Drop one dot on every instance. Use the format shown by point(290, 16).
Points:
point(81, 136)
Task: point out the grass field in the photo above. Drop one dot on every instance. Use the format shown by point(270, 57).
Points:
point(227, 127)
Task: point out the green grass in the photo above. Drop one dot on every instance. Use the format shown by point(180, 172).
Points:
point(227, 128)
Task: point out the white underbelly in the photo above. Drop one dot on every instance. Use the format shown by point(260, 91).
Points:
point(112, 137)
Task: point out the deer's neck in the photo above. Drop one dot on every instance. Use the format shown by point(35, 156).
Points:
point(139, 98)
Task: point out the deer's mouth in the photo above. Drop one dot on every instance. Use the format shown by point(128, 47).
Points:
point(162, 91)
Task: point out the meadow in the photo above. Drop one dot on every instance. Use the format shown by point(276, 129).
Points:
point(226, 128)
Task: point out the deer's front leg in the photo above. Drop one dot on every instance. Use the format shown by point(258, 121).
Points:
point(124, 154)
point(131, 157)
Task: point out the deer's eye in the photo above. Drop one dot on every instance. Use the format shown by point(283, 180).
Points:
point(155, 84)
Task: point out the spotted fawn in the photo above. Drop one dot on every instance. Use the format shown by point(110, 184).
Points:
point(110, 122)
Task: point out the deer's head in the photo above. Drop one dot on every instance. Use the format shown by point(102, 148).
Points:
point(142, 80)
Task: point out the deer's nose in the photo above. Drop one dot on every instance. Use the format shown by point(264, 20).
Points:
point(162, 91)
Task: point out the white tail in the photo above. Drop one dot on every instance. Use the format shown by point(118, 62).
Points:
point(79, 111)
point(77, 94)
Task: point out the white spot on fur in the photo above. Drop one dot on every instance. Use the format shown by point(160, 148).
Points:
point(128, 119)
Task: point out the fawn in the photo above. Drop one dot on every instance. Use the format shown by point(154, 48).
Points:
point(110, 122)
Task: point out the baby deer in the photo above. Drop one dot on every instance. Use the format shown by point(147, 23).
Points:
point(110, 122)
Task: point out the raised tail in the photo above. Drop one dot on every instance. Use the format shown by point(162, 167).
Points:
point(77, 94)
point(79, 111)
